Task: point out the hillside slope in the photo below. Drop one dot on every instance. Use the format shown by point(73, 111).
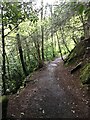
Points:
point(79, 58)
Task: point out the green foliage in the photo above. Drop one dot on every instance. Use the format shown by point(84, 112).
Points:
point(64, 15)
point(33, 64)
point(80, 8)
point(13, 14)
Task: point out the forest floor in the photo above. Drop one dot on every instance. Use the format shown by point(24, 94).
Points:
point(54, 93)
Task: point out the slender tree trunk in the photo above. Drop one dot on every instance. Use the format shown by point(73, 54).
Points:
point(88, 26)
point(8, 69)
point(37, 46)
point(42, 42)
point(21, 55)
point(64, 41)
point(52, 33)
point(84, 28)
point(72, 37)
point(42, 31)
point(28, 52)
point(39, 56)
point(52, 46)
point(46, 48)
point(3, 55)
point(59, 47)
point(46, 53)
point(55, 43)
point(88, 21)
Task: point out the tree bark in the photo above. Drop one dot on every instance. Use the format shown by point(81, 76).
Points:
point(3, 55)
point(37, 46)
point(52, 33)
point(21, 54)
point(42, 31)
point(28, 51)
point(86, 27)
point(8, 69)
point(64, 41)
point(59, 47)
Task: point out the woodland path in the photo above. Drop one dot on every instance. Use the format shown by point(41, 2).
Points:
point(55, 93)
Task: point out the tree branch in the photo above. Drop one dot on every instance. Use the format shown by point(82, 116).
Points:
point(11, 31)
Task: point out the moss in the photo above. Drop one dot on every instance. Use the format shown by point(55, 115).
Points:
point(85, 74)
point(75, 54)
point(4, 103)
point(81, 50)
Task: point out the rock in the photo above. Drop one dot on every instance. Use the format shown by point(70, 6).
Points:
point(73, 111)
point(43, 111)
point(13, 115)
point(22, 113)
point(40, 109)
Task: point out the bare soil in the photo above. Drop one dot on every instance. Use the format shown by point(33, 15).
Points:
point(53, 93)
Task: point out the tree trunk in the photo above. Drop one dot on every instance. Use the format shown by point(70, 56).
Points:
point(73, 38)
point(42, 42)
point(59, 47)
point(88, 21)
point(3, 55)
point(37, 46)
point(52, 33)
point(52, 46)
point(39, 56)
point(88, 26)
point(64, 41)
point(84, 29)
point(8, 69)
point(85, 26)
point(42, 31)
point(21, 55)
point(28, 52)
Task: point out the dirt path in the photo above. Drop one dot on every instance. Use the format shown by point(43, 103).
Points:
point(54, 94)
